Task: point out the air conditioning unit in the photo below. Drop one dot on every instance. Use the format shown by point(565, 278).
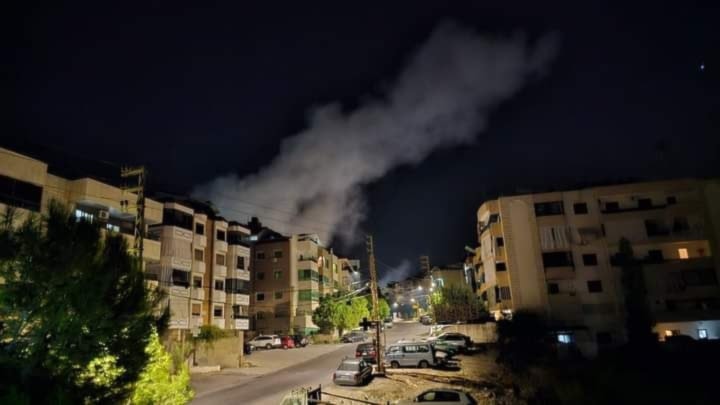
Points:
point(103, 215)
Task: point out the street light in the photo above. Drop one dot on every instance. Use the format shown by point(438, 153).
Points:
point(412, 299)
point(395, 305)
point(420, 288)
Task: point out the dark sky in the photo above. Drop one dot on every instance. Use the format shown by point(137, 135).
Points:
point(198, 91)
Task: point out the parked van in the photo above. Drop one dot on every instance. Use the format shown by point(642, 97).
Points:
point(411, 354)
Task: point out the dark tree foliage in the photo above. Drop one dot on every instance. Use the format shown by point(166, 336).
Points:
point(76, 313)
point(523, 341)
point(638, 320)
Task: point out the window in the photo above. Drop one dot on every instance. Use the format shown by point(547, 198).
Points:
point(220, 285)
point(197, 282)
point(612, 206)
point(196, 309)
point(565, 338)
point(410, 349)
point(655, 255)
point(277, 254)
point(181, 278)
point(594, 286)
point(590, 259)
point(220, 259)
point(220, 235)
point(671, 199)
point(308, 295)
point(603, 338)
point(505, 293)
point(500, 266)
point(680, 224)
point(112, 228)
point(260, 255)
point(683, 253)
point(655, 228)
point(260, 297)
point(278, 295)
point(580, 208)
point(644, 203)
point(241, 262)
point(217, 311)
point(553, 288)
point(277, 274)
point(702, 334)
point(260, 275)
point(85, 216)
point(236, 312)
point(500, 242)
point(199, 228)
point(177, 218)
point(549, 208)
point(20, 194)
point(557, 259)
point(199, 255)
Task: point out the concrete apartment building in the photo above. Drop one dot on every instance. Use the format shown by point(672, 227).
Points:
point(204, 267)
point(290, 274)
point(29, 184)
point(553, 253)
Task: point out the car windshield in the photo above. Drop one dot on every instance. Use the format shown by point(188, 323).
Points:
point(348, 367)
point(365, 346)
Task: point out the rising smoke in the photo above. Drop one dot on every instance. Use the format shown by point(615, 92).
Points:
point(441, 99)
point(400, 272)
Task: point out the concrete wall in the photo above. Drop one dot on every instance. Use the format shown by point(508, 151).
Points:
point(226, 352)
point(479, 333)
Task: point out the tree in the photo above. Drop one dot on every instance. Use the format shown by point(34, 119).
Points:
point(76, 312)
point(383, 308)
point(162, 382)
point(523, 340)
point(456, 303)
point(639, 322)
point(323, 315)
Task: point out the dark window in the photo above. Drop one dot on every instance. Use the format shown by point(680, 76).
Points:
point(220, 235)
point(177, 218)
point(181, 278)
point(612, 206)
point(278, 295)
point(590, 259)
point(18, 193)
point(236, 311)
point(655, 255)
point(549, 208)
point(199, 228)
point(236, 238)
point(199, 255)
point(277, 254)
point(197, 282)
point(277, 275)
point(580, 208)
point(196, 308)
point(500, 266)
point(553, 288)
point(260, 275)
point(654, 228)
point(237, 286)
point(220, 285)
point(241, 262)
point(220, 259)
point(644, 203)
point(671, 200)
point(594, 286)
point(217, 312)
point(680, 224)
point(260, 255)
point(260, 297)
point(500, 242)
point(557, 259)
point(505, 293)
point(603, 338)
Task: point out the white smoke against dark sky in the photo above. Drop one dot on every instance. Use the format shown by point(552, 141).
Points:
point(400, 272)
point(441, 99)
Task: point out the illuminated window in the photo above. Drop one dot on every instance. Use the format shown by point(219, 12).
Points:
point(564, 338)
point(683, 253)
point(668, 332)
point(702, 334)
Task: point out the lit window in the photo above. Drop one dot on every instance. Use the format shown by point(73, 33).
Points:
point(564, 338)
point(112, 228)
point(683, 253)
point(668, 332)
point(702, 334)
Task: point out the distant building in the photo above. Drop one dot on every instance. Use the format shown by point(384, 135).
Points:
point(450, 275)
point(553, 253)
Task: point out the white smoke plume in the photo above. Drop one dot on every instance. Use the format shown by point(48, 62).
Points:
point(398, 273)
point(441, 99)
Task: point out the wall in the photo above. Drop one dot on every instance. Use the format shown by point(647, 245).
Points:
point(226, 352)
point(478, 332)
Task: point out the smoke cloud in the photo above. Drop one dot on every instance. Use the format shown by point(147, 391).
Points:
point(441, 99)
point(400, 272)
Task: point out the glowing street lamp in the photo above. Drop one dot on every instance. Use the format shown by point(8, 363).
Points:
point(412, 299)
point(395, 305)
point(420, 288)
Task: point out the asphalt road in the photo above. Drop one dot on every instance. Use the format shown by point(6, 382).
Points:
point(270, 388)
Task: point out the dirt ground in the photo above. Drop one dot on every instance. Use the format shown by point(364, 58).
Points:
point(477, 375)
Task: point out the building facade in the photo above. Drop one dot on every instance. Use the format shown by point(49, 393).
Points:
point(554, 253)
point(290, 274)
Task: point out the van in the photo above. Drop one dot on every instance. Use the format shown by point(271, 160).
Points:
point(411, 354)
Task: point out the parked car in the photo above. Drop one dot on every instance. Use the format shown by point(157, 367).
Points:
point(300, 340)
point(460, 341)
point(388, 323)
point(287, 342)
point(353, 337)
point(425, 320)
point(247, 348)
point(266, 341)
point(411, 354)
point(352, 372)
point(366, 351)
point(443, 397)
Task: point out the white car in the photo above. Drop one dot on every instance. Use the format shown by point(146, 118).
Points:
point(443, 397)
point(265, 342)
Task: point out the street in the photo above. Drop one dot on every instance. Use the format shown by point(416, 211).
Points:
point(270, 388)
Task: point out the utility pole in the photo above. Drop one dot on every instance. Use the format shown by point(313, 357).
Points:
point(376, 309)
point(139, 190)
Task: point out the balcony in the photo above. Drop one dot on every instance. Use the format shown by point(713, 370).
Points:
point(307, 263)
point(179, 291)
point(198, 267)
point(219, 296)
point(151, 250)
point(220, 246)
point(179, 263)
point(200, 241)
point(198, 294)
point(177, 323)
point(242, 274)
point(560, 273)
point(239, 299)
point(242, 323)
point(219, 271)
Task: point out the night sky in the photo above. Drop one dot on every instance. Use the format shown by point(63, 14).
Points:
point(195, 92)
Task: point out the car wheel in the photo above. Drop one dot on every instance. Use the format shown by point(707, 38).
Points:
point(423, 364)
point(268, 346)
point(394, 364)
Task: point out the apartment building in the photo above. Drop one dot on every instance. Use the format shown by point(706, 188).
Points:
point(456, 274)
point(204, 267)
point(554, 253)
point(290, 274)
point(29, 184)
